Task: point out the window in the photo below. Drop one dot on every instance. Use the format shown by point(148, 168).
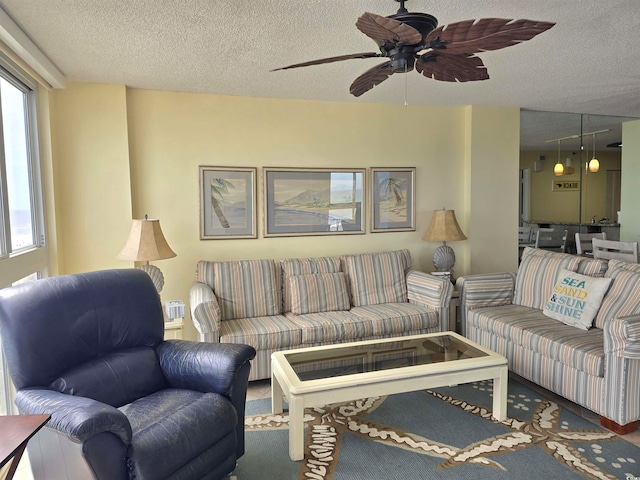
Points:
point(22, 254)
point(21, 213)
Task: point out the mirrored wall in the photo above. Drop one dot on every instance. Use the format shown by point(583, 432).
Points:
point(560, 185)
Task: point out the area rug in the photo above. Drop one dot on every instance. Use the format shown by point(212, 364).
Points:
point(446, 433)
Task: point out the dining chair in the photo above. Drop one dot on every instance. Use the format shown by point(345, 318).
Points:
point(611, 249)
point(584, 241)
point(550, 239)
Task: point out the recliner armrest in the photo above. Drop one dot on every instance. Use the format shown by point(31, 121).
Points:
point(205, 312)
point(206, 367)
point(79, 418)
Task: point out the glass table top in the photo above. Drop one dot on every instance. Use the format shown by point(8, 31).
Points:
point(397, 353)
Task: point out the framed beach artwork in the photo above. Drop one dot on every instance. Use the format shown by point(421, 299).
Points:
point(392, 199)
point(227, 203)
point(306, 201)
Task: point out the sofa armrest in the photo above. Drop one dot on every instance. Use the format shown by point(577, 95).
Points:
point(205, 312)
point(484, 290)
point(622, 337)
point(79, 418)
point(430, 291)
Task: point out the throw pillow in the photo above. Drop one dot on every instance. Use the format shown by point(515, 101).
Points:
point(576, 299)
point(320, 292)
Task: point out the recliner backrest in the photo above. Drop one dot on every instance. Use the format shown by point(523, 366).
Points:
point(71, 321)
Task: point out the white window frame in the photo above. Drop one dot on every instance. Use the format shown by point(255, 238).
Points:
point(22, 263)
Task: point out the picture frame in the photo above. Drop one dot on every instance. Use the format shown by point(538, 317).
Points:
point(313, 201)
point(227, 203)
point(393, 199)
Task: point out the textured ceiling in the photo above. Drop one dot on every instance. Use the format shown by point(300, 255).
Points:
point(589, 62)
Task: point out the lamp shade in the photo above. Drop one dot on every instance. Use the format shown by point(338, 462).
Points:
point(593, 165)
point(444, 227)
point(146, 242)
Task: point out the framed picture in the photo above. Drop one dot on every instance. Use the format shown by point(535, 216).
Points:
point(227, 203)
point(393, 198)
point(307, 201)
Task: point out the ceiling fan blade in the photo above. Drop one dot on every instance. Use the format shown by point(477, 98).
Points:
point(381, 28)
point(369, 79)
point(330, 60)
point(473, 36)
point(452, 68)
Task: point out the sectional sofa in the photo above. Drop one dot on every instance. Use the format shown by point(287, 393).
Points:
point(594, 363)
point(289, 303)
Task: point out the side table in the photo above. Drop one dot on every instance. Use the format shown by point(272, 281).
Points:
point(15, 432)
point(454, 307)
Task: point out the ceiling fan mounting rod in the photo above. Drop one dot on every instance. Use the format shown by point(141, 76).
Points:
point(402, 9)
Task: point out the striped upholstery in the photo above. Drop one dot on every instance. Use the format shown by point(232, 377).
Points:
point(244, 288)
point(396, 318)
point(205, 312)
point(623, 339)
point(319, 292)
point(537, 275)
point(623, 298)
point(376, 278)
point(529, 328)
point(305, 266)
point(324, 327)
point(621, 265)
point(594, 267)
point(275, 331)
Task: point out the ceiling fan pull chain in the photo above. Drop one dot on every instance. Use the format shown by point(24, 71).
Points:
point(406, 86)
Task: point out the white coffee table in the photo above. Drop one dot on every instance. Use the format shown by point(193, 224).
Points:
point(317, 376)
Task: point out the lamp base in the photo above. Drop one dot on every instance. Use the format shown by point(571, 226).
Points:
point(155, 274)
point(444, 258)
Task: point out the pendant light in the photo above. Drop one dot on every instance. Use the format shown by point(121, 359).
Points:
point(594, 163)
point(558, 168)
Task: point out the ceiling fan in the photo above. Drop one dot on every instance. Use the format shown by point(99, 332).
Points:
point(411, 40)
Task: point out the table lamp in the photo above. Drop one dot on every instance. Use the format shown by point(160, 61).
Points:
point(146, 242)
point(444, 228)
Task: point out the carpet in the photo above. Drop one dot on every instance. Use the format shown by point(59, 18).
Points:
point(445, 433)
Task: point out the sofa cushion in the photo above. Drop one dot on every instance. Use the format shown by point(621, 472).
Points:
point(396, 318)
point(376, 278)
point(537, 275)
point(318, 292)
point(622, 265)
point(193, 420)
point(576, 299)
point(304, 266)
point(623, 297)
point(327, 327)
point(261, 333)
point(244, 288)
point(530, 328)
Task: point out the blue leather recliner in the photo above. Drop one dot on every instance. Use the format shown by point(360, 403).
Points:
point(88, 349)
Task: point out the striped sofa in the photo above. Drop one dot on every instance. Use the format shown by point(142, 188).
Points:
point(277, 305)
point(598, 368)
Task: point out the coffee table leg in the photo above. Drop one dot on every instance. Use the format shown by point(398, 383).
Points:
point(296, 428)
point(276, 395)
point(500, 385)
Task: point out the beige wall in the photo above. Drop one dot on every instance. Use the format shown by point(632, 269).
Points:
point(491, 188)
point(128, 151)
point(630, 199)
point(91, 172)
point(549, 206)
